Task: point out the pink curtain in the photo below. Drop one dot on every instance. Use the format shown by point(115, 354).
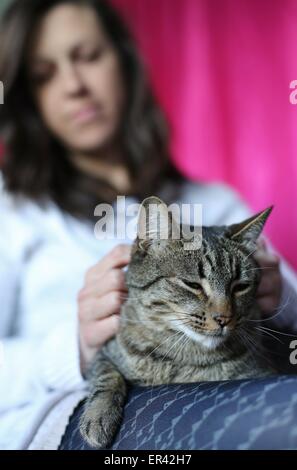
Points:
point(221, 70)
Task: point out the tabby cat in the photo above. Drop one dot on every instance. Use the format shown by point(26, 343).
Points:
point(186, 318)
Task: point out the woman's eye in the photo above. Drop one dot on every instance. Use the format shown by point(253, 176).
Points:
point(91, 56)
point(40, 75)
point(240, 287)
point(40, 79)
point(193, 285)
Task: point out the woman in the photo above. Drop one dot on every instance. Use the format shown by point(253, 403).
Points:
point(80, 126)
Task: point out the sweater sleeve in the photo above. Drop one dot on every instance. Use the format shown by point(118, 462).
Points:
point(31, 364)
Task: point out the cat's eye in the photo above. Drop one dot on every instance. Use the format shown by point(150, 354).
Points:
point(240, 287)
point(193, 285)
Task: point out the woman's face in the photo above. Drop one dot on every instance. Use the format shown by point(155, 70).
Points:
point(76, 78)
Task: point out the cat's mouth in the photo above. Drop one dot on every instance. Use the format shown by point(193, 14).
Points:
point(222, 333)
point(217, 333)
point(210, 339)
point(217, 325)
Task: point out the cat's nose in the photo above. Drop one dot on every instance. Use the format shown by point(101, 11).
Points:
point(221, 320)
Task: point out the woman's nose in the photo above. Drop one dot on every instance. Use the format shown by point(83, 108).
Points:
point(72, 81)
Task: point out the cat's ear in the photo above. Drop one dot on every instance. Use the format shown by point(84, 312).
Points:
point(248, 231)
point(155, 224)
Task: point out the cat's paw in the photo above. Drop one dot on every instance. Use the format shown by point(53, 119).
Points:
point(99, 423)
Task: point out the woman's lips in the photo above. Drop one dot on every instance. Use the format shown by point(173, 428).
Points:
point(87, 114)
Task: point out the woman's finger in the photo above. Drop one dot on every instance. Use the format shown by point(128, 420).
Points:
point(99, 308)
point(266, 259)
point(119, 257)
point(261, 242)
point(97, 333)
point(269, 284)
point(268, 304)
point(113, 280)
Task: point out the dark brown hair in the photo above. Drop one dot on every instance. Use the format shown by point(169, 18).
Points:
point(35, 164)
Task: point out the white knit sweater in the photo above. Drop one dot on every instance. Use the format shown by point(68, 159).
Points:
point(44, 255)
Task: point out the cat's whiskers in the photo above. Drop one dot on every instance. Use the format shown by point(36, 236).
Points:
point(266, 350)
point(252, 345)
point(257, 345)
point(168, 351)
point(183, 344)
point(248, 344)
point(161, 344)
point(180, 348)
point(278, 332)
point(247, 338)
point(179, 312)
point(187, 319)
point(258, 269)
point(223, 344)
point(278, 310)
point(140, 321)
point(265, 347)
point(251, 253)
point(173, 346)
point(263, 332)
point(173, 312)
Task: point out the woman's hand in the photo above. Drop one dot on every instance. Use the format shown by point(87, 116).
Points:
point(269, 291)
point(99, 302)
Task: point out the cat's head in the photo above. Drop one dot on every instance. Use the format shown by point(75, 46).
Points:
point(206, 292)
